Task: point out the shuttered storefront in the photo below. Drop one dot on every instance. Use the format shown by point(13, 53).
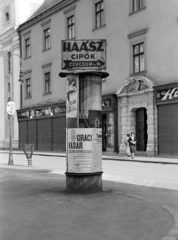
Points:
point(167, 106)
point(168, 129)
point(59, 134)
point(45, 130)
point(44, 142)
point(23, 133)
point(32, 132)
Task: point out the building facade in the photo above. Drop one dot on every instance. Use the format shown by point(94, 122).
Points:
point(12, 14)
point(140, 37)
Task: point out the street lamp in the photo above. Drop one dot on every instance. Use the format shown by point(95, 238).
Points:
point(11, 109)
point(21, 81)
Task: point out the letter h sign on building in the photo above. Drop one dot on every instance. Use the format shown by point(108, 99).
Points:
point(83, 54)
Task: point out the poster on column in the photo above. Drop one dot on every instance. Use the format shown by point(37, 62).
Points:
point(72, 96)
point(84, 150)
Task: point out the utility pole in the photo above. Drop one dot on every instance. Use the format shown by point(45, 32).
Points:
point(10, 111)
point(11, 106)
point(10, 162)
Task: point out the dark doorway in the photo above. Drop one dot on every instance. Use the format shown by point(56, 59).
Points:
point(141, 129)
point(104, 132)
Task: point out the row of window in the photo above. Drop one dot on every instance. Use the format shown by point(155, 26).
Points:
point(137, 51)
point(47, 85)
point(99, 16)
point(138, 56)
point(138, 66)
point(99, 22)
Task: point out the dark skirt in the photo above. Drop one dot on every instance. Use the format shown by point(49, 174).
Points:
point(132, 148)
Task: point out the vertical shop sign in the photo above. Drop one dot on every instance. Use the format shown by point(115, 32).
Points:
point(72, 96)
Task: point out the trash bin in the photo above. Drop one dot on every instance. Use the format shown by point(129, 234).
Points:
point(28, 150)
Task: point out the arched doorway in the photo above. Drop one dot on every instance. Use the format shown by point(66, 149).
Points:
point(137, 113)
point(141, 129)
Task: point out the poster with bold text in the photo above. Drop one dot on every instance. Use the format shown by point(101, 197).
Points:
point(83, 147)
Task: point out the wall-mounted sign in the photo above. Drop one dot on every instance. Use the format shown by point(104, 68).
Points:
point(24, 114)
point(83, 54)
point(10, 107)
point(59, 110)
point(42, 112)
point(167, 94)
point(84, 150)
point(106, 103)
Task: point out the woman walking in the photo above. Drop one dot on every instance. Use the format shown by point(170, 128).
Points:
point(127, 144)
point(132, 141)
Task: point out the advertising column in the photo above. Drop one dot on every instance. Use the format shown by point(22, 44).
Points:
point(83, 60)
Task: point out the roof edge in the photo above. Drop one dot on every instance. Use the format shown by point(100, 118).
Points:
point(57, 7)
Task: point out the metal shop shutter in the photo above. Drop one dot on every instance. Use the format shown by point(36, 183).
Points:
point(32, 132)
point(59, 134)
point(168, 129)
point(44, 134)
point(22, 134)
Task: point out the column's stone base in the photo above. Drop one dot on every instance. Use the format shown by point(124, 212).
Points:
point(84, 182)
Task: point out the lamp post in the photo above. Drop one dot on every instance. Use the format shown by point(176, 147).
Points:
point(11, 110)
point(21, 81)
point(20, 78)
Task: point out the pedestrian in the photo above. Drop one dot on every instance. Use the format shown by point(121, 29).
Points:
point(132, 141)
point(127, 144)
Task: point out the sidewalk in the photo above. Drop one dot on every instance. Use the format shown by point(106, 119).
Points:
point(111, 156)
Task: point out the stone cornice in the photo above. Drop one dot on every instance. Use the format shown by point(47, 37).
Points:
point(16, 46)
point(11, 32)
point(9, 38)
point(26, 33)
point(138, 33)
point(58, 7)
point(69, 9)
point(46, 22)
point(7, 42)
point(27, 72)
point(46, 65)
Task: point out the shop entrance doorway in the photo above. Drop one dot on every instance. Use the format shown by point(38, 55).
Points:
point(108, 132)
point(141, 129)
point(104, 132)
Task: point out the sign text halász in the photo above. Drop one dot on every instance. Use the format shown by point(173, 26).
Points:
point(84, 54)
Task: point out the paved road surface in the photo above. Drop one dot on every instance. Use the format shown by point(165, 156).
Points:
point(143, 174)
point(35, 206)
